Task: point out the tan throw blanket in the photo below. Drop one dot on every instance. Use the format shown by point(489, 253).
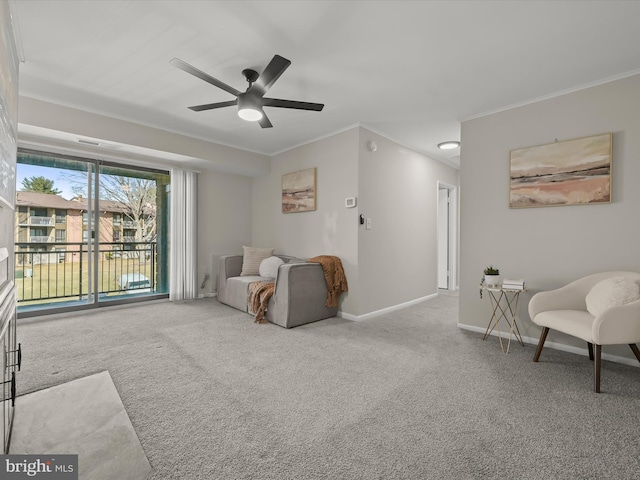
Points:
point(259, 295)
point(334, 276)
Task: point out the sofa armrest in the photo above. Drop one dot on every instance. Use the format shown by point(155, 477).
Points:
point(618, 325)
point(230, 266)
point(300, 295)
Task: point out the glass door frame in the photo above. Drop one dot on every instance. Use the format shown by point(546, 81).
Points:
point(93, 238)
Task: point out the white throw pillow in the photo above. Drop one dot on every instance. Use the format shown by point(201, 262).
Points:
point(611, 292)
point(252, 258)
point(269, 267)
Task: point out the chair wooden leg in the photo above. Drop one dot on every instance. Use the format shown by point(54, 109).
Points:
point(597, 362)
point(634, 349)
point(590, 345)
point(543, 337)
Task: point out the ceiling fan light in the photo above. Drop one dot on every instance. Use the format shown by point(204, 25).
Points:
point(247, 109)
point(448, 145)
point(250, 114)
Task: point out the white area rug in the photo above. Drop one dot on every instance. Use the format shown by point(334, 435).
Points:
point(84, 417)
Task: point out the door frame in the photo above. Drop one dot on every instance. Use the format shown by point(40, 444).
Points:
point(452, 233)
point(94, 166)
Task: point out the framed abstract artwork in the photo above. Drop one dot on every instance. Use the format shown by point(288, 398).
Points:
point(299, 191)
point(569, 172)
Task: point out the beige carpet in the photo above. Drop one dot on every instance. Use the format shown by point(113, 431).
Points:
point(403, 396)
point(84, 417)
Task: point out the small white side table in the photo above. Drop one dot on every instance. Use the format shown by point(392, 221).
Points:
point(504, 304)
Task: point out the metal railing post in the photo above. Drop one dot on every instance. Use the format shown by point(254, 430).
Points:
point(80, 276)
point(153, 266)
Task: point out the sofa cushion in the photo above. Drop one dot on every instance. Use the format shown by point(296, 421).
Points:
point(238, 290)
point(252, 258)
point(611, 292)
point(577, 323)
point(269, 267)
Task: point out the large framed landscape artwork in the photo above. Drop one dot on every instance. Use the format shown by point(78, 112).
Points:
point(569, 172)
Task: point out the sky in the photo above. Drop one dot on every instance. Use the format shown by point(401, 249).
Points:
point(55, 174)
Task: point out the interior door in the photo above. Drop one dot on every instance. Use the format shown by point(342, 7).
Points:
point(443, 237)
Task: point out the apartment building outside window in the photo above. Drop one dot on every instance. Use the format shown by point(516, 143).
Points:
point(38, 235)
point(61, 216)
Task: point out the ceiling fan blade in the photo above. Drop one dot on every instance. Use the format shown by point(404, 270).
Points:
point(271, 73)
point(264, 121)
point(211, 106)
point(276, 102)
point(176, 62)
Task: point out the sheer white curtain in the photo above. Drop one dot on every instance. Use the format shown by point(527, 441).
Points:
point(183, 247)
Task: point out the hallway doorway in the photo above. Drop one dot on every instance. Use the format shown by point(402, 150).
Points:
point(447, 231)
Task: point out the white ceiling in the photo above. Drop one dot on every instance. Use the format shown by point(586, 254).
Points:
point(409, 70)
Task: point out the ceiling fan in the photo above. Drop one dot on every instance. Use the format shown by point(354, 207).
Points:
point(251, 102)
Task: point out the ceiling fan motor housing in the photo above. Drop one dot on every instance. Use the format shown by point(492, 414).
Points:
point(250, 75)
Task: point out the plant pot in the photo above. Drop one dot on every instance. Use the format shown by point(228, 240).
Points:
point(492, 280)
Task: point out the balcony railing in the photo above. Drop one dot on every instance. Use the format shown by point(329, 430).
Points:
point(39, 238)
point(41, 221)
point(60, 274)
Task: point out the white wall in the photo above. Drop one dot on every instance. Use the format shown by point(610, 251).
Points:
point(548, 246)
point(394, 262)
point(399, 192)
point(8, 126)
point(329, 230)
point(201, 154)
point(224, 221)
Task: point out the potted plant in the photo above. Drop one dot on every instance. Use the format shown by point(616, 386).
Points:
point(491, 275)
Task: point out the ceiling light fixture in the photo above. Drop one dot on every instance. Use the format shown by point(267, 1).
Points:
point(448, 145)
point(248, 109)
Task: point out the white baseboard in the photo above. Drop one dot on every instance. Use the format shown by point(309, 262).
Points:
point(556, 346)
point(377, 313)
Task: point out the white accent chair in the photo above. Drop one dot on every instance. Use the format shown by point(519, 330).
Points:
point(565, 310)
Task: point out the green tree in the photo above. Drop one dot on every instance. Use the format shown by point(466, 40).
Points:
point(40, 185)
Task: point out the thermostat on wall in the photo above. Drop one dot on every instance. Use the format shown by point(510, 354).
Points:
point(350, 202)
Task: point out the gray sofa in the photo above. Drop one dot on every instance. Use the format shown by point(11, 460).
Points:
point(299, 297)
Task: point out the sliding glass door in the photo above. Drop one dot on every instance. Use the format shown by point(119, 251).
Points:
point(88, 233)
point(132, 248)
